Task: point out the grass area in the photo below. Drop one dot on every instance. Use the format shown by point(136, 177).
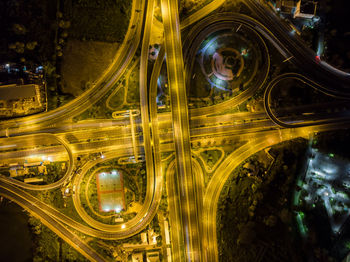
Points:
point(93, 40)
point(15, 233)
point(254, 212)
point(211, 157)
point(228, 144)
point(117, 99)
point(200, 87)
point(291, 93)
point(133, 96)
point(83, 62)
point(99, 110)
point(56, 200)
point(188, 7)
point(98, 20)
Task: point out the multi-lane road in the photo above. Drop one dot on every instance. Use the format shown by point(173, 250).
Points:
point(187, 183)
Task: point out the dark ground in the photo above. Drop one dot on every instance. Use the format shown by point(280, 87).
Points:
point(15, 237)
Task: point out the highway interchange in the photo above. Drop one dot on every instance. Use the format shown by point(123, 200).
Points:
point(192, 207)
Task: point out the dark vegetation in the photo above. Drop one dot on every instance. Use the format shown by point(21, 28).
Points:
point(98, 20)
point(333, 142)
point(291, 97)
point(28, 29)
point(15, 233)
point(254, 220)
point(337, 33)
point(33, 33)
point(211, 157)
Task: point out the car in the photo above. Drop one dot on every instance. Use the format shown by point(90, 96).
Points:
point(318, 59)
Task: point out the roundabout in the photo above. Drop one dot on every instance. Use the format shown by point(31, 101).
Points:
point(226, 60)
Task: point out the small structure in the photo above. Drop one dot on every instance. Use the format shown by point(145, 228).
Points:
point(152, 237)
point(296, 9)
point(118, 220)
point(18, 100)
point(288, 6)
point(13, 172)
point(153, 256)
point(144, 238)
point(18, 171)
point(32, 164)
point(166, 231)
point(137, 257)
point(251, 168)
point(307, 10)
point(66, 192)
point(42, 170)
point(33, 180)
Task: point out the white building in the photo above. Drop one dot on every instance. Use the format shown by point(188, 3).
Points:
point(294, 8)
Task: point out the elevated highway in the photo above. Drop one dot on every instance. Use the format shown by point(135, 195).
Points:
point(186, 181)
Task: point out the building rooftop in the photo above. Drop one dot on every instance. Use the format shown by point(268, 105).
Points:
point(13, 92)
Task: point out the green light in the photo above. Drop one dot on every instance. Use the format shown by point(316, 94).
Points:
point(244, 52)
point(302, 227)
point(347, 245)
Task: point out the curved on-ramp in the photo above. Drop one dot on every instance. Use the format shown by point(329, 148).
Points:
point(303, 57)
point(153, 169)
point(305, 80)
point(52, 185)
